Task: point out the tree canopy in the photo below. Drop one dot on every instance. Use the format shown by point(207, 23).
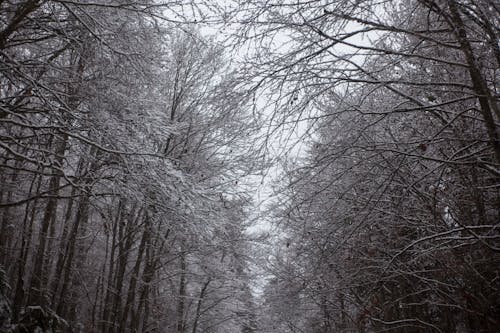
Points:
point(134, 141)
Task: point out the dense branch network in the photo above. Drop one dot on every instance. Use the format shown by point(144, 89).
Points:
point(130, 142)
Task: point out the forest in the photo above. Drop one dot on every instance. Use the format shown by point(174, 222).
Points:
point(249, 166)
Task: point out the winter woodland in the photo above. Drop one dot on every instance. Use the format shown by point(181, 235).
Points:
point(248, 166)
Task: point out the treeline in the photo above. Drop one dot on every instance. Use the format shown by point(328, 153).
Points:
point(391, 221)
point(119, 210)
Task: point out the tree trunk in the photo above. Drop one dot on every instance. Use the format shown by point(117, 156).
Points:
point(127, 236)
point(80, 218)
point(198, 306)
point(181, 303)
point(135, 274)
point(487, 102)
point(26, 236)
point(111, 273)
point(39, 277)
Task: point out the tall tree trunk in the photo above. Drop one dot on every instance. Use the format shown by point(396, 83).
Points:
point(181, 303)
point(79, 263)
point(6, 226)
point(127, 236)
point(198, 305)
point(80, 218)
point(111, 272)
point(62, 255)
point(39, 277)
point(64, 246)
point(129, 303)
point(487, 102)
point(26, 236)
point(141, 314)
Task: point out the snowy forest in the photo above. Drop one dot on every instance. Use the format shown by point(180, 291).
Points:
point(249, 166)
